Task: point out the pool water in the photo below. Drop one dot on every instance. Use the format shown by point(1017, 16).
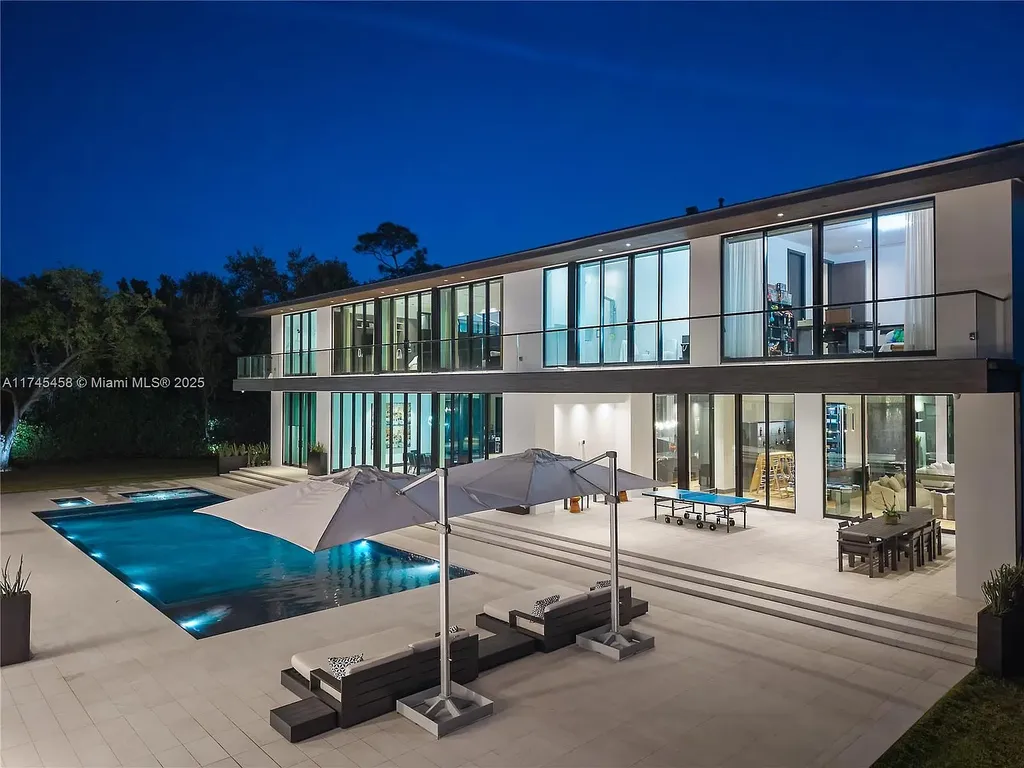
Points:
point(166, 494)
point(212, 576)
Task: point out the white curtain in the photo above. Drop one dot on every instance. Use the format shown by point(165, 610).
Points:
point(919, 327)
point(744, 291)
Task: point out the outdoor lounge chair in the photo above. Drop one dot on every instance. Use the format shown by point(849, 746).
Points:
point(577, 610)
point(392, 668)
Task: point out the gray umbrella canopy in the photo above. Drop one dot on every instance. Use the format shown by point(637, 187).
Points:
point(323, 512)
point(537, 476)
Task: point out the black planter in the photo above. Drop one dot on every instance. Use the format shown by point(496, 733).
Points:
point(15, 624)
point(316, 464)
point(1001, 643)
point(227, 464)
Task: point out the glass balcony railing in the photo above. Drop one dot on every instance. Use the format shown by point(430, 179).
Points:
point(959, 324)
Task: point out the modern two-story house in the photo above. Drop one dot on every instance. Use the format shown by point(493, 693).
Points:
point(830, 352)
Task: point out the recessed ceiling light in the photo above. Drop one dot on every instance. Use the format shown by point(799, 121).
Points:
point(600, 250)
point(781, 215)
point(628, 245)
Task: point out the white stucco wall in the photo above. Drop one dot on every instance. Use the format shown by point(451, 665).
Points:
point(973, 251)
point(810, 455)
point(323, 420)
point(705, 299)
point(987, 473)
point(323, 344)
point(276, 427)
point(522, 307)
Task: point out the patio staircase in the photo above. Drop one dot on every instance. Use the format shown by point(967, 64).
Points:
point(262, 478)
point(929, 635)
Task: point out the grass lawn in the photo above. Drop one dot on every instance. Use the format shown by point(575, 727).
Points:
point(978, 724)
point(43, 477)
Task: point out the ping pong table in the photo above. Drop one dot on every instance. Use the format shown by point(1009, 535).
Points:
point(722, 508)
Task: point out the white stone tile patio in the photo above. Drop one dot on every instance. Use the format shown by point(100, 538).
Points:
point(114, 682)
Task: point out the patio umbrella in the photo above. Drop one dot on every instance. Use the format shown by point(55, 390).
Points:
point(324, 512)
point(537, 476)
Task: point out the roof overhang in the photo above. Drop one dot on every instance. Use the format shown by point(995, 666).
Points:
point(983, 166)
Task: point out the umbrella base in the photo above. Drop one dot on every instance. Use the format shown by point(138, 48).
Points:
point(615, 645)
point(440, 716)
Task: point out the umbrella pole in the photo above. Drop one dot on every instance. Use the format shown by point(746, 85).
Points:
point(443, 701)
point(613, 536)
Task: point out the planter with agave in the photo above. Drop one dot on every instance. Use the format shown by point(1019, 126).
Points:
point(231, 457)
point(15, 615)
point(316, 460)
point(890, 513)
point(1001, 623)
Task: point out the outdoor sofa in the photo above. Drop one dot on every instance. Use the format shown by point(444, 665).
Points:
point(396, 664)
point(577, 610)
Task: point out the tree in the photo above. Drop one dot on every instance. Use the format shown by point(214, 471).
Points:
point(389, 244)
point(309, 276)
point(62, 323)
point(255, 279)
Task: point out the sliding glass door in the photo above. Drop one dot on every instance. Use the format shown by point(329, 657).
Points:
point(299, 427)
point(351, 429)
point(406, 432)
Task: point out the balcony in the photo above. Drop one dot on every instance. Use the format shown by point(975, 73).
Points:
point(968, 325)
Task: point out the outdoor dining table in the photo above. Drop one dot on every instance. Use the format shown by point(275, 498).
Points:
point(889, 534)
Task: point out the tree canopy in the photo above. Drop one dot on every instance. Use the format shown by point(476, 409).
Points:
point(396, 249)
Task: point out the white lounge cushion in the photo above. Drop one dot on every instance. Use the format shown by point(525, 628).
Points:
point(577, 598)
point(377, 661)
point(371, 646)
point(434, 642)
point(501, 607)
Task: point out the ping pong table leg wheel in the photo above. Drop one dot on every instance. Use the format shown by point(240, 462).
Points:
point(700, 524)
point(686, 515)
point(731, 521)
point(668, 519)
point(712, 526)
point(678, 521)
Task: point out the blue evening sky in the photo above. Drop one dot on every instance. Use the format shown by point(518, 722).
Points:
point(140, 138)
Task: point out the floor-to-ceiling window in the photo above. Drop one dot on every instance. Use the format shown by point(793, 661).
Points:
point(471, 326)
point(406, 446)
point(351, 429)
point(878, 281)
point(556, 316)
point(354, 338)
point(407, 338)
point(935, 466)
point(627, 309)
point(299, 427)
point(471, 427)
point(888, 451)
point(299, 344)
point(768, 294)
point(666, 439)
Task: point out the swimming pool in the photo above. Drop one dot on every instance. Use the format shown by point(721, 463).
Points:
point(211, 576)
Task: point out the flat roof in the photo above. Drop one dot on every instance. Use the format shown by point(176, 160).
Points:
point(982, 166)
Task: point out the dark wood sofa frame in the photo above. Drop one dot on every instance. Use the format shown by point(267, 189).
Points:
point(373, 692)
point(563, 622)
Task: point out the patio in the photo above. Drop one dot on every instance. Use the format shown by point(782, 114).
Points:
point(116, 683)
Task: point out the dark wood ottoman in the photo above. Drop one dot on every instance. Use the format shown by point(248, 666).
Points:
point(304, 719)
point(504, 647)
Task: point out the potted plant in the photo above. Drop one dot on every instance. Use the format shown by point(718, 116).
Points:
point(891, 514)
point(316, 461)
point(1001, 622)
point(15, 615)
point(230, 457)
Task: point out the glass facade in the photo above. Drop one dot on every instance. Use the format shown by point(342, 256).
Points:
point(758, 446)
point(869, 291)
point(889, 451)
point(472, 427)
point(556, 316)
point(354, 328)
point(299, 428)
point(406, 432)
point(351, 429)
point(407, 340)
point(299, 344)
point(627, 310)
point(470, 330)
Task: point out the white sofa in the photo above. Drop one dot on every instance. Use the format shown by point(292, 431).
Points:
point(501, 607)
